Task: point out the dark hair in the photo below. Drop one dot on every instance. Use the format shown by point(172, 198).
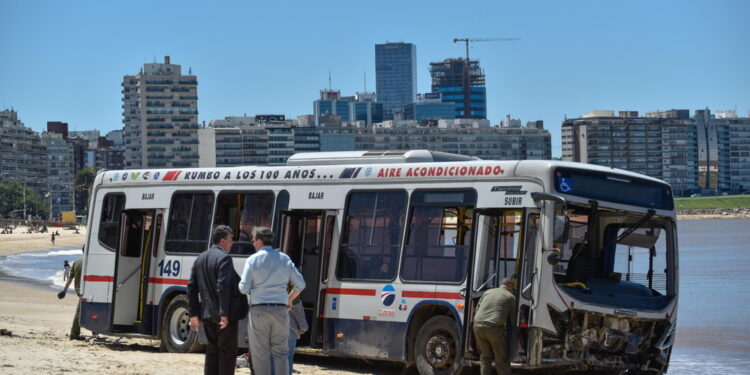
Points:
point(264, 234)
point(220, 232)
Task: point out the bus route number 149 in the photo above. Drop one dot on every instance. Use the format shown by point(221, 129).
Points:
point(170, 268)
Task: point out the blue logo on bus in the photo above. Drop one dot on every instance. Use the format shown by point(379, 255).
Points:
point(388, 295)
point(564, 184)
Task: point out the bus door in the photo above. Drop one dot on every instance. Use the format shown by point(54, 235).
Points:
point(307, 236)
point(496, 255)
point(138, 238)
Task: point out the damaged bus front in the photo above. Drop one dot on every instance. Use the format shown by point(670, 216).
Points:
point(612, 301)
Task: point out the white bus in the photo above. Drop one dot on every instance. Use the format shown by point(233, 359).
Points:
point(396, 248)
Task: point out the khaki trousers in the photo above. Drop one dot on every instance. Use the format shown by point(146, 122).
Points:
point(75, 329)
point(491, 343)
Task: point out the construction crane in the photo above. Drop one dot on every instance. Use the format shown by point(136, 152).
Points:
point(467, 78)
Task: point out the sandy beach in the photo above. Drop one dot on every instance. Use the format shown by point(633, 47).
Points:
point(39, 324)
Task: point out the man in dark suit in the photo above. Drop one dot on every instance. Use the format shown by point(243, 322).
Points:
point(220, 305)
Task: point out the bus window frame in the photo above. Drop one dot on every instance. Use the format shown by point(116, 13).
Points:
point(668, 250)
point(119, 223)
point(230, 191)
point(344, 229)
point(469, 250)
point(169, 220)
point(277, 214)
point(519, 244)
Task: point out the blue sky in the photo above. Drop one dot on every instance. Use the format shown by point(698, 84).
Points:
point(64, 60)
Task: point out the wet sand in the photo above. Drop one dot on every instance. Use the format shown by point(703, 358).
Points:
point(39, 324)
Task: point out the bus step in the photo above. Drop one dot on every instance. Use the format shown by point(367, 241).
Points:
point(309, 351)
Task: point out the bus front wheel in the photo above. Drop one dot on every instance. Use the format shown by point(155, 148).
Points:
point(176, 335)
point(436, 347)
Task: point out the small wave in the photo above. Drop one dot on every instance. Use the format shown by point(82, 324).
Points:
point(683, 364)
point(57, 280)
point(42, 254)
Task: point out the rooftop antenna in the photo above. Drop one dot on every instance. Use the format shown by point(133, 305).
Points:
point(329, 80)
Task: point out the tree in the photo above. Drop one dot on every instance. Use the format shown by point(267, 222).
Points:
point(84, 184)
point(12, 200)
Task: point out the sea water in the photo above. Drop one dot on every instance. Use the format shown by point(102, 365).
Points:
point(713, 329)
point(40, 268)
point(713, 323)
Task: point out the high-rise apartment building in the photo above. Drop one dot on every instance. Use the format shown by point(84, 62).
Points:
point(160, 117)
point(429, 106)
point(723, 142)
point(662, 144)
point(738, 150)
point(23, 157)
point(450, 78)
point(395, 75)
point(360, 108)
point(60, 172)
point(706, 153)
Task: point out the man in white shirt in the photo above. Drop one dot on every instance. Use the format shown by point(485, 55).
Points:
point(265, 278)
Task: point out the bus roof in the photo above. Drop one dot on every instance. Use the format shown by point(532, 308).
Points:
point(358, 166)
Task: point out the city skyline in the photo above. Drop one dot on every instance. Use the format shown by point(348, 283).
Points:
point(65, 62)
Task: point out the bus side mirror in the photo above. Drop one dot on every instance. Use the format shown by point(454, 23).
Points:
point(554, 257)
point(561, 229)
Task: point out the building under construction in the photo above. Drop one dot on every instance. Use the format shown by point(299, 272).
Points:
point(450, 79)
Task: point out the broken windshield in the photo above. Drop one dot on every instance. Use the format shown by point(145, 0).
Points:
point(632, 251)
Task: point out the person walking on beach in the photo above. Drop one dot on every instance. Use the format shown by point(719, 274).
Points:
point(52, 238)
point(75, 275)
point(265, 278)
point(66, 270)
point(493, 311)
point(215, 301)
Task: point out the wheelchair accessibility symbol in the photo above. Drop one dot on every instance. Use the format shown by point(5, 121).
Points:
point(565, 185)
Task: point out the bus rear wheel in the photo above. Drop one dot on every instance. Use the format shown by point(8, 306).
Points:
point(176, 335)
point(437, 347)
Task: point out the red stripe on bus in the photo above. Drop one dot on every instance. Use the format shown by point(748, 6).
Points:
point(352, 292)
point(432, 295)
point(98, 278)
point(171, 175)
point(161, 280)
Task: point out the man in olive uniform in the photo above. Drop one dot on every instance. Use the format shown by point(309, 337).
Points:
point(75, 275)
point(493, 311)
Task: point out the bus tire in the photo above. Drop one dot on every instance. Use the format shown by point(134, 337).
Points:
point(176, 335)
point(437, 347)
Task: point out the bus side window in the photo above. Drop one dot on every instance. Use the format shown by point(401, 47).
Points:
point(109, 221)
point(439, 237)
point(189, 226)
point(243, 211)
point(372, 235)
